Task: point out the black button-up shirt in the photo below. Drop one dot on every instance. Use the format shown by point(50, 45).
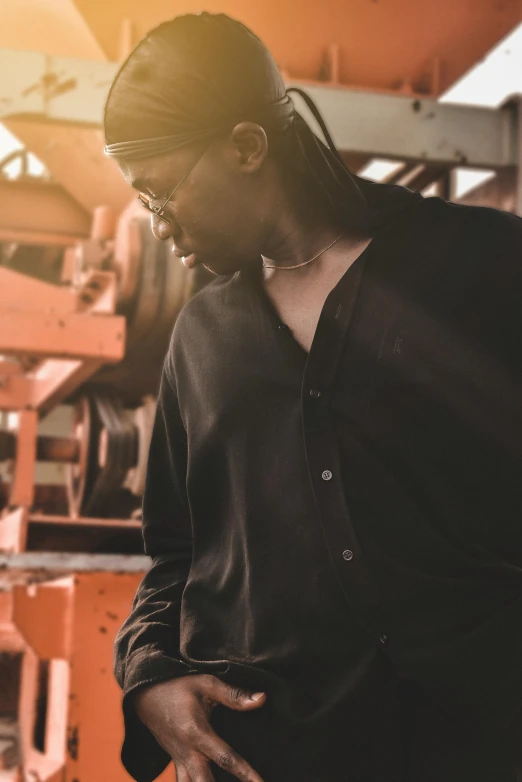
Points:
point(343, 529)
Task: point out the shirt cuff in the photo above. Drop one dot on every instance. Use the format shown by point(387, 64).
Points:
point(141, 755)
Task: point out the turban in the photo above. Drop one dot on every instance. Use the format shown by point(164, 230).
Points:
point(198, 75)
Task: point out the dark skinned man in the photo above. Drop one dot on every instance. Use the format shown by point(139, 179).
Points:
point(333, 497)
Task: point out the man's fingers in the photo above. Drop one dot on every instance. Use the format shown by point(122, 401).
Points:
point(233, 697)
point(182, 775)
point(198, 768)
point(226, 758)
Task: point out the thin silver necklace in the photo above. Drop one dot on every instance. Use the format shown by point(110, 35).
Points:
point(305, 263)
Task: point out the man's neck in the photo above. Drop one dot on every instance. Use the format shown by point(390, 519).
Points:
point(301, 228)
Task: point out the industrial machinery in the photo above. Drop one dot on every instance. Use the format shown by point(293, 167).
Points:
point(88, 299)
point(93, 334)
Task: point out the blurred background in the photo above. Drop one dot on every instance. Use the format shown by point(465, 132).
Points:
point(423, 94)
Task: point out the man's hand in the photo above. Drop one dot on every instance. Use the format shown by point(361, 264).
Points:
point(177, 714)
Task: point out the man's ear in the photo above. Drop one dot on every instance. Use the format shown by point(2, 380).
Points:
point(250, 146)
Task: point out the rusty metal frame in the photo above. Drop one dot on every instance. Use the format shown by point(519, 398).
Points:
point(70, 91)
point(43, 615)
point(63, 610)
point(40, 212)
point(62, 89)
point(25, 424)
point(70, 331)
point(60, 337)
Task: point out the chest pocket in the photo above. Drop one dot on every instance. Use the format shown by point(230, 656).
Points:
point(416, 388)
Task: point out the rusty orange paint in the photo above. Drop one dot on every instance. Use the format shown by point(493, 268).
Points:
point(60, 521)
point(13, 530)
point(11, 640)
point(102, 601)
point(73, 336)
point(84, 720)
point(40, 208)
point(23, 292)
point(22, 485)
point(43, 614)
point(40, 238)
point(74, 157)
point(405, 46)
point(382, 44)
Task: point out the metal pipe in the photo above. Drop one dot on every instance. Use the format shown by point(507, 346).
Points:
point(57, 449)
point(48, 448)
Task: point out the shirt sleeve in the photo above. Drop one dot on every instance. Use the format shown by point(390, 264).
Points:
point(147, 645)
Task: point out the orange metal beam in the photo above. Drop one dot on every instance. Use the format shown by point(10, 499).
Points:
point(54, 380)
point(73, 336)
point(41, 518)
point(20, 291)
point(11, 641)
point(49, 638)
point(30, 208)
point(383, 45)
point(399, 45)
point(13, 531)
point(71, 622)
point(74, 329)
point(75, 159)
point(22, 486)
point(41, 238)
point(73, 156)
point(51, 382)
point(40, 319)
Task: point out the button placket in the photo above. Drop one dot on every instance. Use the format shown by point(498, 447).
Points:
point(321, 448)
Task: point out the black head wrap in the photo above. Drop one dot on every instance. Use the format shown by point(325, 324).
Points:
point(198, 75)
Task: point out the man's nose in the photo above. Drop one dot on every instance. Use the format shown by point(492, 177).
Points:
point(160, 228)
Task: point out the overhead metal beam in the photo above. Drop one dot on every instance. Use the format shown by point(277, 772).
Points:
point(398, 44)
point(70, 91)
point(413, 129)
point(56, 89)
point(74, 157)
point(67, 562)
point(60, 89)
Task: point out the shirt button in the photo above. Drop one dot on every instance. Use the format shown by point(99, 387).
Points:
point(327, 475)
point(315, 393)
point(348, 555)
point(383, 639)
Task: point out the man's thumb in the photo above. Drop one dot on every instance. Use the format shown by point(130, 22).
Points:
point(241, 700)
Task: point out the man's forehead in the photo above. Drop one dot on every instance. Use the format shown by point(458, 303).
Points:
point(154, 173)
point(147, 175)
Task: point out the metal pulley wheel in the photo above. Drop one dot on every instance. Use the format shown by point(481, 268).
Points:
point(79, 476)
point(144, 422)
point(107, 451)
point(161, 285)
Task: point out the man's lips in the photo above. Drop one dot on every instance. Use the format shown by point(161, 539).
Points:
point(188, 258)
point(179, 251)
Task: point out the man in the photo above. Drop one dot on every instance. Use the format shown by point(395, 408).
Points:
point(333, 503)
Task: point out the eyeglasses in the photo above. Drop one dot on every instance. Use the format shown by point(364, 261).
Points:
point(159, 210)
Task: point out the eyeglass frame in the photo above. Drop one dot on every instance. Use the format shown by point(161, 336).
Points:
point(158, 211)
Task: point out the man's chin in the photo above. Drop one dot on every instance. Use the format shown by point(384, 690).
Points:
point(190, 261)
point(216, 265)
